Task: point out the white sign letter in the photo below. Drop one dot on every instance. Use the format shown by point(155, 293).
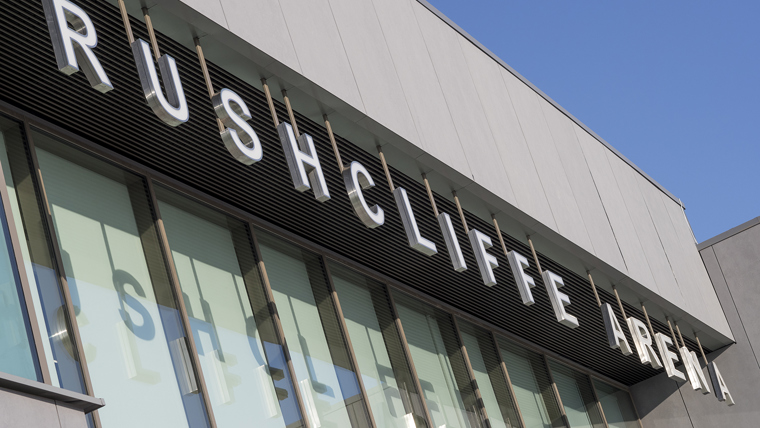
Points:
point(518, 263)
point(559, 299)
point(643, 342)
point(357, 178)
point(694, 370)
point(452, 243)
point(303, 162)
point(668, 357)
point(615, 335)
point(74, 47)
point(171, 109)
point(416, 240)
point(487, 263)
point(239, 138)
point(721, 390)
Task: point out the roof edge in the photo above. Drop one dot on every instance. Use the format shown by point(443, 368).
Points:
point(493, 56)
point(727, 234)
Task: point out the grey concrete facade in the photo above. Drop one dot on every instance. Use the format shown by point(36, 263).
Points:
point(399, 74)
point(733, 263)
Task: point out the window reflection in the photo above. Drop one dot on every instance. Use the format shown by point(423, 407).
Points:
point(486, 365)
point(617, 406)
point(134, 344)
point(375, 339)
point(17, 350)
point(532, 386)
point(439, 363)
point(327, 381)
point(577, 397)
point(244, 366)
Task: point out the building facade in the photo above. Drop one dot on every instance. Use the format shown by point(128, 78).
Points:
point(332, 213)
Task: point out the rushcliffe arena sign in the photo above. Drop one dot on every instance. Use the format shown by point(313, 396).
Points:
point(74, 39)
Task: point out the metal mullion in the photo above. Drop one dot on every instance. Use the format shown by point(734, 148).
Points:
point(65, 291)
point(471, 373)
point(177, 291)
point(408, 355)
point(506, 376)
point(555, 390)
point(25, 286)
point(176, 185)
point(279, 331)
point(598, 403)
point(347, 338)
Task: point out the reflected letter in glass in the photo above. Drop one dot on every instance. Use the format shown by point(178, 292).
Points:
point(393, 398)
point(243, 364)
point(327, 381)
point(577, 396)
point(440, 364)
point(492, 383)
point(134, 343)
point(531, 385)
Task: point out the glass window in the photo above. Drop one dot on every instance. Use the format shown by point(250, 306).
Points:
point(439, 363)
point(531, 385)
point(617, 406)
point(486, 365)
point(244, 365)
point(326, 378)
point(379, 353)
point(134, 344)
point(577, 397)
point(17, 351)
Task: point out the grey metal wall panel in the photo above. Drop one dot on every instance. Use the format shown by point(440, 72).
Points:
point(319, 48)
point(664, 281)
point(738, 258)
point(372, 66)
point(710, 312)
point(466, 110)
point(22, 410)
point(262, 24)
point(423, 93)
point(614, 204)
point(546, 159)
point(584, 190)
point(482, 78)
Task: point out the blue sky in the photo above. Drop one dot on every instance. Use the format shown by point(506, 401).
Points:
point(673, 85)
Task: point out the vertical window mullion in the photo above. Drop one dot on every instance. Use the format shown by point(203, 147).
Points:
point(471, 374)
point(174, 282)
point(278, 326)
point(555, 391)
point(42, 363)
point(598, 403)
point(58, 260)
point(505, 372)
point(408, 355)
point(347, 339)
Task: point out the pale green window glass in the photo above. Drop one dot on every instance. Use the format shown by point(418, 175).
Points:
point(532, 387)
point(133, 341)
point(439, 364)
point(492, 383)
point(17, 352)
point(36, 251)
point(385, 371)
point(577, 397)
point(617, 406)
point(328, 384)
point(214, 261)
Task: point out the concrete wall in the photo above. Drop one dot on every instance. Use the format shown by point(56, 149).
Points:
point(733, 262)
point(408, 76)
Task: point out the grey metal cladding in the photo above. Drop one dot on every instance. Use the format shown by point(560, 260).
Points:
point(195, 155)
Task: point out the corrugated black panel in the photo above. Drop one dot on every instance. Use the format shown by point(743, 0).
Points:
point(194, 154)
